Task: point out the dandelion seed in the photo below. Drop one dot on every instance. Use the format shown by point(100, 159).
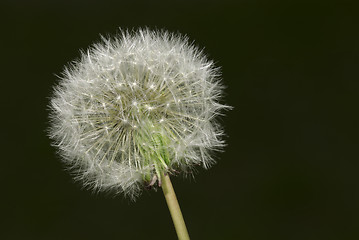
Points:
point(141, 60)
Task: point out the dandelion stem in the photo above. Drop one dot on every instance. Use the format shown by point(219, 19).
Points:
point(174, 208)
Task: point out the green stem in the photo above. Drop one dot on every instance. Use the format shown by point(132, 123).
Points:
point(174, 208)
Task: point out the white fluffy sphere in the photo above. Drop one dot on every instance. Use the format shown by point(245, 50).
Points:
point(135, 106)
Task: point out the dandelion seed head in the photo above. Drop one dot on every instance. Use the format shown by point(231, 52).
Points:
point(135, 105)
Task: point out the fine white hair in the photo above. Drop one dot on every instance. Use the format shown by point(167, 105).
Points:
point(135, 105)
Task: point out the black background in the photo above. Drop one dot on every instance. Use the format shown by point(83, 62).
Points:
point(290, 170)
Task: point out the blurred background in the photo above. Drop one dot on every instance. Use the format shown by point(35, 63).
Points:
point(290, 170)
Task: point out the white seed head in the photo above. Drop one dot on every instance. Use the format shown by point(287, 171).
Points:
point(135, 106)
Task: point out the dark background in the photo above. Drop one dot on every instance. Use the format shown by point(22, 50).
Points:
point(290, 170)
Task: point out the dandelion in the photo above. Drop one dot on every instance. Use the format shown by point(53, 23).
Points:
point(135, 109)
